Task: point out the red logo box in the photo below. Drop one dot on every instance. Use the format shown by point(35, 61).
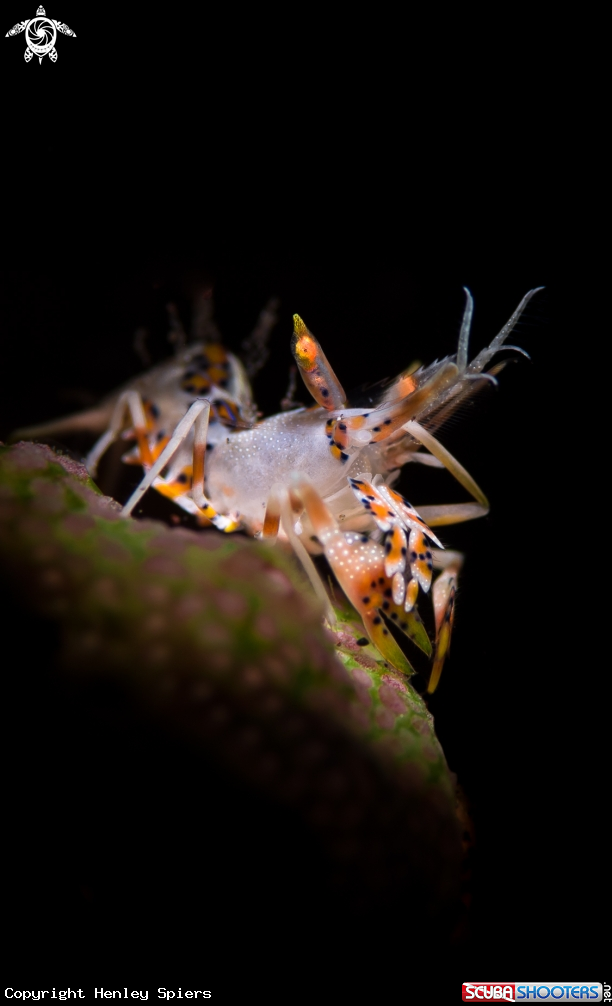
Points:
point(487, 991)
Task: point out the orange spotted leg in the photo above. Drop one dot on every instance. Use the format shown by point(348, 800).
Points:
point(444, 589)
point(410, 557)
point(197, 416)
point(359, 565)
point(444, 593)
point(131, 401)
point(409, 561)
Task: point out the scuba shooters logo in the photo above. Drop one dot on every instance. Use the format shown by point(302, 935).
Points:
point(40, 35)
point(529, 992)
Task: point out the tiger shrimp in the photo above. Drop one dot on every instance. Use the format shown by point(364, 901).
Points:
point(319, 478)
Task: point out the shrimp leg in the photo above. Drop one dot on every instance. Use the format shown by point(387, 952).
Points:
point(131, 401)
point(197, 416)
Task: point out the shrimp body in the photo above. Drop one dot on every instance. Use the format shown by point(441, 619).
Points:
point(320, 477)
point(243, 467)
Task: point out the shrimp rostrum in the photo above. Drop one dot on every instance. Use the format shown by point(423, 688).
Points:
point(319, 478)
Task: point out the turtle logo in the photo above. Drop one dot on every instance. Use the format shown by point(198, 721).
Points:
point(40, 35)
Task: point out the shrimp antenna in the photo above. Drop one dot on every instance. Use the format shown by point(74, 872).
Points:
point(464, 335)
point(485, 354)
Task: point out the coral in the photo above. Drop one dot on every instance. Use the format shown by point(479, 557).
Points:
point(215, 644)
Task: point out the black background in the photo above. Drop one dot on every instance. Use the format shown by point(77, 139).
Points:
point(345, 179)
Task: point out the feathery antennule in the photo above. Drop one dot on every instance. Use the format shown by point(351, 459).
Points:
point(517, 349)
point(464, 334)
point(439, 410)
point(485, 355)
point(481, 377)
